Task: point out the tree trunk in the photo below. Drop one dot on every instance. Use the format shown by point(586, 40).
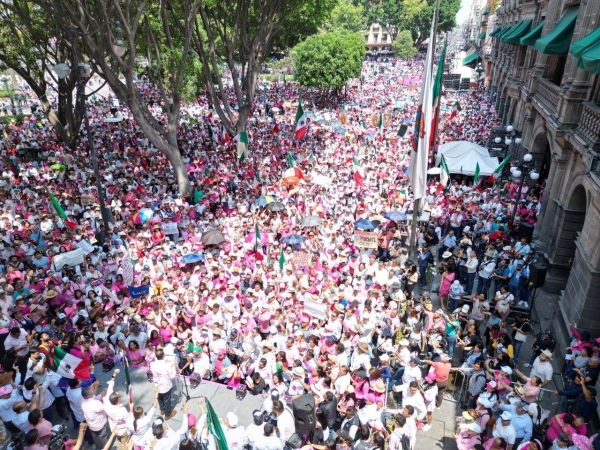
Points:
point(173, 155)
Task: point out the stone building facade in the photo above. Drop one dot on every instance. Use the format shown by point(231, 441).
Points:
point(538, 86)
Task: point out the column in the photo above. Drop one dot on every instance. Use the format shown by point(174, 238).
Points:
point(553, 186)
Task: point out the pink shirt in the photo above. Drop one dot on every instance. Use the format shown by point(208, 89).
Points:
point(93, 410)
point(163, 372)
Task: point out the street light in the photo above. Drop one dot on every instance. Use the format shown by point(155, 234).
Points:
point(83, 73)
point(527, 167)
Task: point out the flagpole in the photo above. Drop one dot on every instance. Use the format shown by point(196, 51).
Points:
point(429, 72)
point(438, 108)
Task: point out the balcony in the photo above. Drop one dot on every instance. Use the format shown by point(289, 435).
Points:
point(589, 125)
point(546, 93)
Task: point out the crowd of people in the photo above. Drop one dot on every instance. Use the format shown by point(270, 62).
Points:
point(277, 306)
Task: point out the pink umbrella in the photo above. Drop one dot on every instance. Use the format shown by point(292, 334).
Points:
point(264, 237)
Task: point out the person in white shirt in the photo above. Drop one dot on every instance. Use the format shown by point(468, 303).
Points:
point(360, 357)
point(74, 397)
point(503, 429)
point(19, 340)
point(163, 374)
point(268, 440)
point(412, 396)
point(117, 415)
point(165, 437)
point(412, 372)
point(139, 425)
point(285, 421)
point(255, 431)
point(235, 434)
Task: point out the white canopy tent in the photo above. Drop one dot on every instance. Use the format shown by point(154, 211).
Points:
point(462, 157)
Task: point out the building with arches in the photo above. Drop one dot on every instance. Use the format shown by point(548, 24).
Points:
point(545, 81)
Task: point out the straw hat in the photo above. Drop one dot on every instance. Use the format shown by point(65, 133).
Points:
point(378, 387)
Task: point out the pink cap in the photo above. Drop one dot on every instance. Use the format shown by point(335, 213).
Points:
point(371, 398)
point(431, 377)
point(191, 420)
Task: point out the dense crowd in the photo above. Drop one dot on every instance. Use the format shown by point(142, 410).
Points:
point(282, 301)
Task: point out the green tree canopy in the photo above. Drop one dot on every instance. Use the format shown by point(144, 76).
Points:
point(329, 59)
point(346, 16)
point(403, 46)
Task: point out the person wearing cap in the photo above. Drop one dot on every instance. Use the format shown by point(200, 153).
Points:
point(542, 368)
point(503, 429)
point(442, 372)
point(469, 437)
point(522, 247)
point(235, 434)
point(521, 422)
point(165, 436)
point(542, 341)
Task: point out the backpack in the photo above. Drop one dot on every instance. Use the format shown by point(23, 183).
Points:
point(405, 442)
point(477, 377)
point(539, 429)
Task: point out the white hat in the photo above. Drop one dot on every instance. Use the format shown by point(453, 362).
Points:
point(384, 357)
point(232, 419)
point(507, 370)
point(474, 427)
point(506, 416)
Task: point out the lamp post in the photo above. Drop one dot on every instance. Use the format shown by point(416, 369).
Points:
point(526, 167)
point(8, 90)
point(479, 70)
point(82, 74)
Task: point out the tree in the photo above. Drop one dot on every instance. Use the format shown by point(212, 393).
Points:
point(91, 24)
point(403, 46)
point(419, 24)
point(346, 16)
point(329, 59)
point(246, 31)
point(31, 46)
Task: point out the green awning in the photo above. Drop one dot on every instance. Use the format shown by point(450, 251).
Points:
point(590, 59)
point(587, 42)
point(470, 58)
point(558, 41)
point(486, 11)
point(518, 31)
point(481, 35)
point(496, 32)
point(533, 35)
point(506, 31)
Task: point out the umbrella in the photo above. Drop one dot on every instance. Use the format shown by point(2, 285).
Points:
point(264, 237)
point(263, 201)
point(320, 120)
point(311, 221)
point(340, 131)
point(395, 216)
point(58, 166)
point(293, 239)
point(365, 225)
point(212, 237)
point(335, 124)
point(192, 258)
point(143, 215)
point(293, 172)
point(276, 206)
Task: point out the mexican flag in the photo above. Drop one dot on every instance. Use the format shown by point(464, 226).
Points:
point(498, 170)
point(456, 110)
point(444, 175)
point(281, 259)
point(301, 124)
point(70, 366)
point(214, 427)
point(437, 93)
point(359, 173)
point(257, 244)
point(476, 176)
point(242, 146)
point(256, 180)
point(380, 122)
point(291, 160)
point(61, 213)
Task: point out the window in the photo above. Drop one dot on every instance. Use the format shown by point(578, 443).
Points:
point(555, 68)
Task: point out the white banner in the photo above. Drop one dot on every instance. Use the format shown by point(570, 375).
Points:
point(170, 227)
point(71, 258)
point(127, 270)
point(314, 309)
point(87, 248)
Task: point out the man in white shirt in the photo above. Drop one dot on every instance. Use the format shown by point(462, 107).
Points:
point(117, 415)
point(412, 396)
point(167, 438)
point(74, 397)
point(234, 433)
point(503, 429)
point(163, 373)
point(360, 357)
point(285, 421)
point(19, 340)
point(95, 416)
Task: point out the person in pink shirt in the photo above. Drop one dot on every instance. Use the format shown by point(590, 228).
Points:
point(468, 438)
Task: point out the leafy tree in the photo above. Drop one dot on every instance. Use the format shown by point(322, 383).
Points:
point(329, 59)
point(346, 16)
point(419, 24)
point(304, 22)
point(31, 46)
point(403, 46)
point(376, 14)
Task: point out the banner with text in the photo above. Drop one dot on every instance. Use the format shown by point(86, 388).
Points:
point(314, 309)
point(71, 258)
point(365, 239)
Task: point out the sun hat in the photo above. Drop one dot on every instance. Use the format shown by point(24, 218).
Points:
point(378, 386)
point(506, 416)
point(446, 255)
point(547, 353)
point(5, 390)
point(363, 346)
point(298, 371)
point(474, 427)
point(468, 417)
point(403, 342)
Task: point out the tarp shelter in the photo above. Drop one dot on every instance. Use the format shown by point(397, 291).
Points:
point(462, 158)
point(531, 37)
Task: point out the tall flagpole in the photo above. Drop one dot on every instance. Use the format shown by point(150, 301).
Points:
point(418, 165)
point(438, 107)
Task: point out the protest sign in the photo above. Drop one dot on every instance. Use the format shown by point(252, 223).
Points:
point(314, 309)
point(110, 293)
point(170, 227)
point(127, 270)
point(72, 258)
point(365, 239)
point(138, 291)
point(87, 248)
point(302, 259)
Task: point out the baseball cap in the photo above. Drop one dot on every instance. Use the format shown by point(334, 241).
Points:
point(506, 416)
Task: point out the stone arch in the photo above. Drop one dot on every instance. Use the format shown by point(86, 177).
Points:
point(577, 200)
point(541, 150)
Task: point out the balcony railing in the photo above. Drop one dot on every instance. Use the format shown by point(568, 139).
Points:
point(589, 125)
point(547, 93)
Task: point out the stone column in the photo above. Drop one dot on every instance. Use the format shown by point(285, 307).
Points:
point(544, 224)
